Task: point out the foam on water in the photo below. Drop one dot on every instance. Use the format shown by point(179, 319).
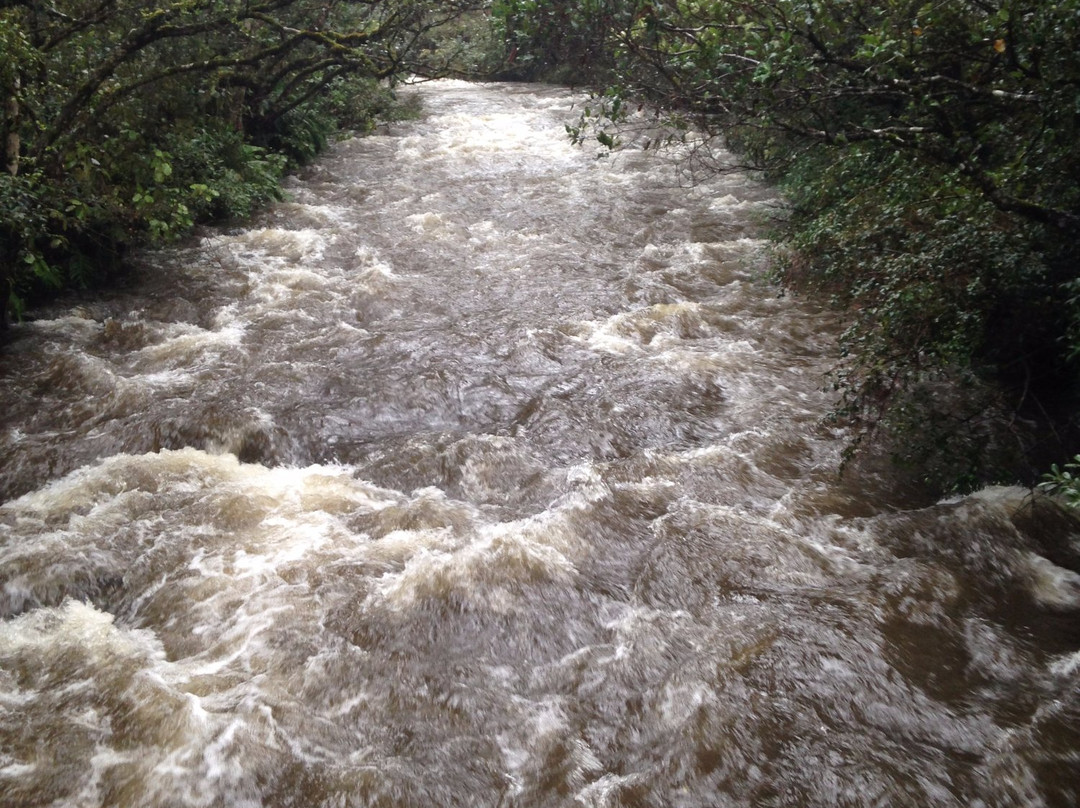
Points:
point(485, 472)
point(185, 346)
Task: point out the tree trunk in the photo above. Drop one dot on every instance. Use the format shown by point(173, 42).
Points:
point(12, 141)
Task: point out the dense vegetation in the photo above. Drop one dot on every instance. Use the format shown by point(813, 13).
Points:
point(122, 122)
point(930, 154)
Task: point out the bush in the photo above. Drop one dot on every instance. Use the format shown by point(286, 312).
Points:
point(1064, 482)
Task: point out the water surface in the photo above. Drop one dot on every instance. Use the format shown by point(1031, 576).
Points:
point(484, 472)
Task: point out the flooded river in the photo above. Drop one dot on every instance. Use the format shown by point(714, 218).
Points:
point(484, 472)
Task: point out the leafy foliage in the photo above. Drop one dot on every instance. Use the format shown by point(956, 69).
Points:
point(558, 40)
point(123, 122)
point(1064, 482)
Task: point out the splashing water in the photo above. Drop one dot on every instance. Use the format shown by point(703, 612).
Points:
point(486, 473)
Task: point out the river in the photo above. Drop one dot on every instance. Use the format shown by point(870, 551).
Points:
point(485, 471)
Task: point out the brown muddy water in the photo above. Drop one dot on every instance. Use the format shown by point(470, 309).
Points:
point(483, 472)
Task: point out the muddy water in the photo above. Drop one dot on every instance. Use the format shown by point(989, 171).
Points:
point(483, 472)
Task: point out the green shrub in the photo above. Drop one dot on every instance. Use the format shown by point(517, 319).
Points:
point(224, 176)
point(1064, 482)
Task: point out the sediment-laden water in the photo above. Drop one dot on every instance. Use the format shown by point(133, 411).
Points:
point(484, 472)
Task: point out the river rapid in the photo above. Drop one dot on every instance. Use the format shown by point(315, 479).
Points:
point(484, 472)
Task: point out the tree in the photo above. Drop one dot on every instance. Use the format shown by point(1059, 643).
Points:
point(124, 120)
point(558, 39)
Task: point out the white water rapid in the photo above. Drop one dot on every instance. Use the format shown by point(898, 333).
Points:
point(487, 473)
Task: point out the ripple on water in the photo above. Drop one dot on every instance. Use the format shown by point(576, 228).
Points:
point(484, 472)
